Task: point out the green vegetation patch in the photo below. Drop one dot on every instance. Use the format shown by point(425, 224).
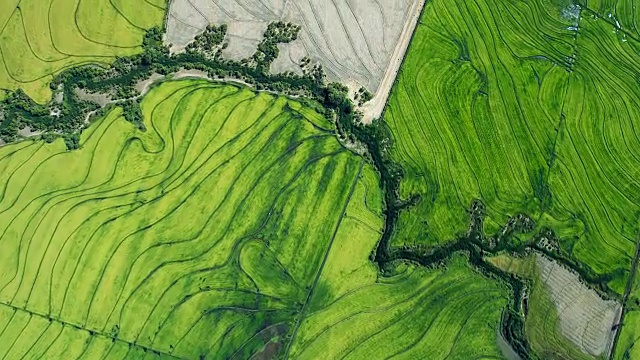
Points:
point(41, 38)
point(198, 237)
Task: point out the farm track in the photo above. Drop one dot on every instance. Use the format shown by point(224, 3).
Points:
point(32, 57)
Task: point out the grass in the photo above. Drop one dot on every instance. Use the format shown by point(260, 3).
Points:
point(40, 38)
point(527, 114)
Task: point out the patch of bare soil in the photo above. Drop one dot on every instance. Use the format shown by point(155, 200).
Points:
point(58, 97)
point(26, 132)
point(360, 42)
point(143, 86)
point(506, 349)
point(585, 318)
point(182, 74)
point(272, 334)
point(98, 98)
point(269, 352)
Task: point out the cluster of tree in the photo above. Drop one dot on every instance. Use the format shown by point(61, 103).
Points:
point(119, 80)
point(19, 111)
point(132, 112)
point(210, 43)
point(277, 33)
point(362, 96)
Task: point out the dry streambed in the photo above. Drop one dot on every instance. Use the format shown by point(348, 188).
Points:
point(358, 42)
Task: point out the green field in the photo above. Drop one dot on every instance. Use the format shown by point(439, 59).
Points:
point(450, 313)
point(533, 109)
point(235, 226)
point(40, 38)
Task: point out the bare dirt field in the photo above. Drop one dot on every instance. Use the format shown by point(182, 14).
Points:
point(585, 318)
point(358, 42)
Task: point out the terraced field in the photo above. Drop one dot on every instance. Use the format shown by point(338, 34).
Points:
point(153, 237)
point(450, 313)
point(40, 38)
point(235, 226)
point(533, 110)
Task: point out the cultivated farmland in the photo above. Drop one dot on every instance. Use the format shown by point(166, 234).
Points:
point(149, 238)
point(433, 314)
point(236, 225)
point(531, 110)
point(40, 38)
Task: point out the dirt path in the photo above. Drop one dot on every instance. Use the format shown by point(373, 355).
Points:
point(373, 109)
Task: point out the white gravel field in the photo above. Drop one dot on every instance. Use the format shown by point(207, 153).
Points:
point(358, 42)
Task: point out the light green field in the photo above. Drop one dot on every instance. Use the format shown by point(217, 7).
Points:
point(236, 225)
point(417, 314)
point(40, 38)
point(219, 214)
point(528, 115)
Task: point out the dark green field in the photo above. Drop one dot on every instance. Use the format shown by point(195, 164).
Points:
point(533, 109)
point(527, 115)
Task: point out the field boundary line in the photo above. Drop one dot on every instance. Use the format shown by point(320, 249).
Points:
point(90, 331)
point(324, 260)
